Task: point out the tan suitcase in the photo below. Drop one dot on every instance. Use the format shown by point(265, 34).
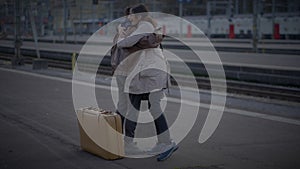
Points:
point(101, 133)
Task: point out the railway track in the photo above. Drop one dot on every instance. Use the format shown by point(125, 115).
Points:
point(253, 89)
point(237, 87)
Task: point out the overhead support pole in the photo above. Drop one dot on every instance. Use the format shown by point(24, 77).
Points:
point(65, 20)
point(273, 18)
point(255, 27)
point(180, 16)
point(17, 58)
point(34, 32)
point(208, 15)
point(37, 63)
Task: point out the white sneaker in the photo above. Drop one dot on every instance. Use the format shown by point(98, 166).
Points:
point(157, 149)
point(160, 148)
point(132, 149)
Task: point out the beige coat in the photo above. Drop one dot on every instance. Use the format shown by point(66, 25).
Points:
point(148, 71)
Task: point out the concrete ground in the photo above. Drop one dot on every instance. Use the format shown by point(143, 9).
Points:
point(39, 129)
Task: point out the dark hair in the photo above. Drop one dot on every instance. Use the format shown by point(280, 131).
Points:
point(127, 11)
point(140, 9)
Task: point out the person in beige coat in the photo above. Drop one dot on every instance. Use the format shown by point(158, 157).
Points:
point(147, 78)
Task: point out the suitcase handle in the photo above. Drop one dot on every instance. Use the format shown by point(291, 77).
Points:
point(101, 111)
point(106, 112)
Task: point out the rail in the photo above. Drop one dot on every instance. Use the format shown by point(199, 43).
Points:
point(233, 86)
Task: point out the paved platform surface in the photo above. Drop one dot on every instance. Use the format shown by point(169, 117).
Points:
point(38, 129)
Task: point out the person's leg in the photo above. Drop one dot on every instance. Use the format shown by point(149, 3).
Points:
point(122, 104)
point(132, 116)
point(165, 146)
point(161, 125)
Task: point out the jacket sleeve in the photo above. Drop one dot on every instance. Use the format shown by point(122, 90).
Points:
point(136, 35)
point(129, 41)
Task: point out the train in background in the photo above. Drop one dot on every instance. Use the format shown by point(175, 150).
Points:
point(284, 26)
point(240, 27)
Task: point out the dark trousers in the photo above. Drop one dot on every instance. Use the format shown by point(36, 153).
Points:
point(156, 112)
point(122, 106)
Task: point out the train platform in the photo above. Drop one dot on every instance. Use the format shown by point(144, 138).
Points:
point(267, 60)
point(39, 129)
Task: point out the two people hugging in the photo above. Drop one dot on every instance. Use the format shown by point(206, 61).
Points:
point(141, 72)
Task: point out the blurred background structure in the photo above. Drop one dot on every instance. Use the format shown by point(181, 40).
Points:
point(275, 19)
